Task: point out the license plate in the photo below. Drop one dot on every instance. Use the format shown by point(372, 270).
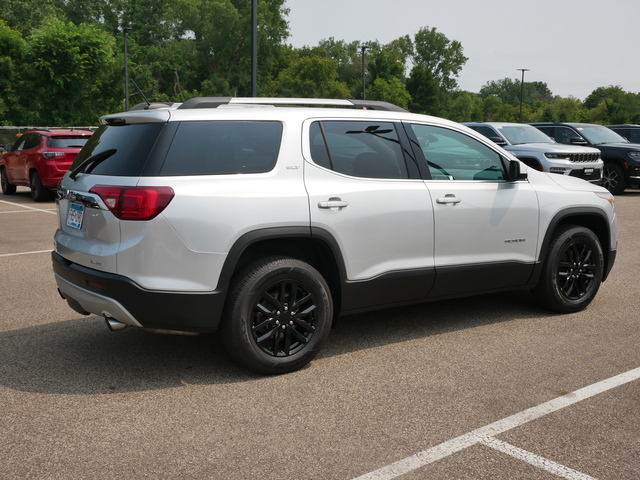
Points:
point(75, 215)
point(588, 171)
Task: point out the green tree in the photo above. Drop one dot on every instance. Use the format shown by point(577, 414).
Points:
point(391, 90)
point(425, 91)
point(27, 15)
point(70, 68)
point(312, 74)
point(465, 107)
point(442, 57)
point(509, 91)
point(12, 52)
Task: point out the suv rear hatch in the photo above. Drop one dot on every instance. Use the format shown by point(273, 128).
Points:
point(89, 233)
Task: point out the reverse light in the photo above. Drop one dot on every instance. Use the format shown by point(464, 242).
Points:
point(134, 203)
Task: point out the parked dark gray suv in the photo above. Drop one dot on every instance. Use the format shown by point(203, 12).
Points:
point(621, 158)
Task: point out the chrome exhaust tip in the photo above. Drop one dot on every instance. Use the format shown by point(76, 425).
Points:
point(114, 325)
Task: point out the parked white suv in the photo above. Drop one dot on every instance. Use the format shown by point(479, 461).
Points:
point(268, 222)
point(538, 151)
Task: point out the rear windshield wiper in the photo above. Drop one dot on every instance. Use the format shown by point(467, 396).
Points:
point(91, 162)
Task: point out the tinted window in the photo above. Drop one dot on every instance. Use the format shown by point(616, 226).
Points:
point(634, 135)
point(359, 149)
point(132, 145)
point(487, 132)
point(451, 155)
point(565, 134)
point(31, 140)
point(221, 148)
point(68, 141)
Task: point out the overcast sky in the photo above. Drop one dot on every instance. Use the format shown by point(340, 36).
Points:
point(574, 46)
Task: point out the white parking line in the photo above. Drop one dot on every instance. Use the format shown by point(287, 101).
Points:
point(53, 211)
point(24, 253)
point(482, 434)
point(535, 460)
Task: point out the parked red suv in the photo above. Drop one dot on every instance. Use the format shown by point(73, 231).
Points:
point(39, 159)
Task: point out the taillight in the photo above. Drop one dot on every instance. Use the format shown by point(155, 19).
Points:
point(53, 154)
point(134, 203)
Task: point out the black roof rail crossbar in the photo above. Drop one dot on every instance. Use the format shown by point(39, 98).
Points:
point(205, 102)
point(151, 106)
point(376, 105)
point(215, 102)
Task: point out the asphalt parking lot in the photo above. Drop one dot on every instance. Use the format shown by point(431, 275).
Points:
point(490, 387)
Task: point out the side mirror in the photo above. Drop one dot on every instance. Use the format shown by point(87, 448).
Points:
point(577, 141)
point(515, 173)
point(498, 141)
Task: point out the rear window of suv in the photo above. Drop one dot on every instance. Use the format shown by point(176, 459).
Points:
point(184, 148)
point(67, 141)
point(132, 145)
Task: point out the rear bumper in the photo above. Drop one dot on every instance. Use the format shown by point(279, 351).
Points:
point(90, 291)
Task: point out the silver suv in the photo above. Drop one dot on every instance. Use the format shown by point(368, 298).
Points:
point(267, 222)
point(538, 151)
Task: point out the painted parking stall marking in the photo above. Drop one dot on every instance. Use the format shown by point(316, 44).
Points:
point(485, 435)
point(52, 211)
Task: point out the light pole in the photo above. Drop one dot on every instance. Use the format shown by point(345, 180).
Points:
point(364, 78)
point(125, 31)
point(522, 89)
point(254, 48)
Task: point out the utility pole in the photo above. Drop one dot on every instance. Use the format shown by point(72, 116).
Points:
point(364, 76)
point(522, 89)
point(125, 31)
point(254, 48)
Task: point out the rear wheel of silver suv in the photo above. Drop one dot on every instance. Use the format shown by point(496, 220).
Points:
point(278, 315)
point(573, 270)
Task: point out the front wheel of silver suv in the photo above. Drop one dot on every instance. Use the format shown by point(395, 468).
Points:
point(572, 272)
point(278, 315)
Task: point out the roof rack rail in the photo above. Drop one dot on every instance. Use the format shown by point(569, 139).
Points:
point(215, 102)
point(151, 106)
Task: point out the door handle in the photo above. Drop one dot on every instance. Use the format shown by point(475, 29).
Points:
point(333, 204)
point(448, 199)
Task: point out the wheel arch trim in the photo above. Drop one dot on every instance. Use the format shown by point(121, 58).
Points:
point(564, 217)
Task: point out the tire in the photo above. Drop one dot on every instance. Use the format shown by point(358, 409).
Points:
point(7, 188)
point(278, 315)
point(572, 272)
point(38, 192)
point(613, 178)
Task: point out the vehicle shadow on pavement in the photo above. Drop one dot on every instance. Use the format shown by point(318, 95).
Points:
point(82, 357)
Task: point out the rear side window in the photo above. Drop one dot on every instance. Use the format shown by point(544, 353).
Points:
point(359, 149)
point(31, 140)
point(131, 145)
point(223, 148)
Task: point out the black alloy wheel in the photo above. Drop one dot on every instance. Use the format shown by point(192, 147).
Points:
point(283, 318)
point(573, 271)
point(613, 178)
point(278, 316)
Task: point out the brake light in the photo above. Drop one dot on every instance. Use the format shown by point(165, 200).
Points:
point(53, 154)
point(134, 203)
